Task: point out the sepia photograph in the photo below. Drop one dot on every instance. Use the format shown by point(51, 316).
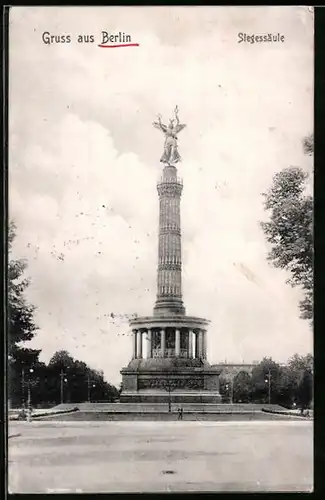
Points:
point(160, 249)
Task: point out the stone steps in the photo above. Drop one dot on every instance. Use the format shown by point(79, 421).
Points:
point(84, 416)
point(163, 407)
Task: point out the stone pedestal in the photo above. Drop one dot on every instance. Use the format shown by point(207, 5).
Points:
point(163, 380)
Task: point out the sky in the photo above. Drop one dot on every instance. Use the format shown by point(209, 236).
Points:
point(84, 163)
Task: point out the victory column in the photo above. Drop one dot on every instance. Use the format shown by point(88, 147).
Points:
point(176, 343)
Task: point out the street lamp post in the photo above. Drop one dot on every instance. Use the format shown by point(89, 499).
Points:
point(268, 381)
point(63, 380)
point(169, 385)
point(227, 389)
point(61, 386)
point(29, 406)
point(230, 387)
point(23, 387)
point(89, 386)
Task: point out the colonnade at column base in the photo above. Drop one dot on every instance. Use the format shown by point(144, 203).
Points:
point(169, 336)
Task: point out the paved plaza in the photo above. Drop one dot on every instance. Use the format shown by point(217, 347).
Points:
point(50, 457)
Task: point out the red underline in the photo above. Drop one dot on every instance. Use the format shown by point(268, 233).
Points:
point(116, 46)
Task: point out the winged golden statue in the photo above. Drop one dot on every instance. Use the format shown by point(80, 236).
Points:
point(170, 155)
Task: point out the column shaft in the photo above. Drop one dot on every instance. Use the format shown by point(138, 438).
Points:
point(139, 344)
point(163, 342)
point(169, 282)
point(134, 342)
point(196, 342)
point(190, 344)
point(149, 345)
point(177, 342)
point(200, 344)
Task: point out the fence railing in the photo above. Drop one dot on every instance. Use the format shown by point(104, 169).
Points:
point(168, 353)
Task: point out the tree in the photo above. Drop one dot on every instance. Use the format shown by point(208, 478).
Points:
point(308, 144)
point(299, 364)
point(21, 315)
point(242, 387)
point(62, 360)
point(21, 326)
point(39, 389)
point(301, 377)
point(290, 228)
point(285, 393)
point(74, 381)
point(265, 381)
point(286, 384)
point(18, 369)
point(226, 384)
point(305, 390)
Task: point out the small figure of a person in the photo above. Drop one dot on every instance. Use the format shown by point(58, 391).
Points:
point(179, 410)
point(22, 414)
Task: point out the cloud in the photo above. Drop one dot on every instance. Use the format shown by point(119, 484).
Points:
point(84, 162)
